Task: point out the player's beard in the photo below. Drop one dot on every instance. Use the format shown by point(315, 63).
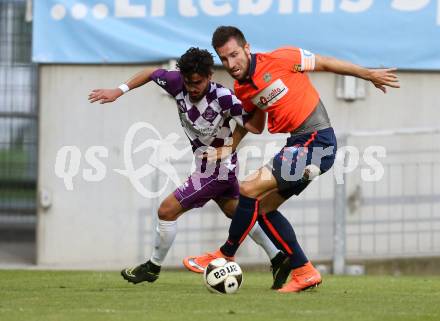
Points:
point(199, 97)
point(244, 71)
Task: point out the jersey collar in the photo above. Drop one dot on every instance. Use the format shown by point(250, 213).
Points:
point(251, 71)
point(252, 66)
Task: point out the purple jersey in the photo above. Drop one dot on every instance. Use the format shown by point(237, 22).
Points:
point(206, 122)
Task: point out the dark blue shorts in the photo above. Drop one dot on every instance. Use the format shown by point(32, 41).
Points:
point(301, 151)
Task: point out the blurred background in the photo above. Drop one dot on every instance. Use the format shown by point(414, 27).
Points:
point(53, 53)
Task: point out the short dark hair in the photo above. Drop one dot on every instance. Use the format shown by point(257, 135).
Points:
point(196, 60)
point(223, 33)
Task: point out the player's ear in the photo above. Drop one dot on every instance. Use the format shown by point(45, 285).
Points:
point(247, 49)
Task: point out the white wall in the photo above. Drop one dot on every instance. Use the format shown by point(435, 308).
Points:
point(108, 224)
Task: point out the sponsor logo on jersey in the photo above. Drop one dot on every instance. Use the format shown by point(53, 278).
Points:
point(270, 95)
point(198, 131)
point(161, 82)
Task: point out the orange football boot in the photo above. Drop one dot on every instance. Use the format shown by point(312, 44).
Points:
point(303, 278)
point(198, 264)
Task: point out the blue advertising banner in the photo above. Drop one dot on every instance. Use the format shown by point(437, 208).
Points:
point(373, 33)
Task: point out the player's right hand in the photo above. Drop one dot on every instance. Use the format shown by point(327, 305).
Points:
point(104, 95)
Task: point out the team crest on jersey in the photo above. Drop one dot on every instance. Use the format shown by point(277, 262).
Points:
point(297, 68)
point(267, 77)
point(209, 114)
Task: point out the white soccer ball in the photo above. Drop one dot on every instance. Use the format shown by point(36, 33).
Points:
point(222, 276)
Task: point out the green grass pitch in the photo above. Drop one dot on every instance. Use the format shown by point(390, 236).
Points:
point(179, 295)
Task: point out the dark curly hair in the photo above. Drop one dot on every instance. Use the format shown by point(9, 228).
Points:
point(223, 33)
point(196, 60)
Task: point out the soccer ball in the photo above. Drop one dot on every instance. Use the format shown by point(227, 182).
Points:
point(222, 276)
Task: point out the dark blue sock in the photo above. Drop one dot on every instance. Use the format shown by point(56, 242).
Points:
point(281, 233)
point(242, 222)
point(269, 234)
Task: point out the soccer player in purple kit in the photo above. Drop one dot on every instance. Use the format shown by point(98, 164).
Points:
point(205, 109)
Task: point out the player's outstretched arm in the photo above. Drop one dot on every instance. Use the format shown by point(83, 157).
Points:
point(110, 95)
point(222, 152)
point(256, 122)
point(237, 136)
point(381, 78)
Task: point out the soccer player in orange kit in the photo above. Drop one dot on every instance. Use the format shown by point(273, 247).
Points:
point(276, 83)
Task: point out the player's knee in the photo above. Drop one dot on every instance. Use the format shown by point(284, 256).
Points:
point(266, 208)
point(166, 212)
point(311, 172)
point(229, 212)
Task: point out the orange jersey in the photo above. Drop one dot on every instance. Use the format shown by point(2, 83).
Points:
point(278, 85)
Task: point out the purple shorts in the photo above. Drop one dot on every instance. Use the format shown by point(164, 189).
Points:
point(198, 190)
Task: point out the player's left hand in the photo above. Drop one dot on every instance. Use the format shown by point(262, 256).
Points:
point(382, 78)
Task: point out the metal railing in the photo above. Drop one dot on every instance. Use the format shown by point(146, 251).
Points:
point(18, 119)
point(398, 215)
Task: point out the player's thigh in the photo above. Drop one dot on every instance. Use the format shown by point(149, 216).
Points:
point(258, 183)
point(303, 158)
point(227, 205)
point(198, 190)
point(170, 209)
point(268, 203)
